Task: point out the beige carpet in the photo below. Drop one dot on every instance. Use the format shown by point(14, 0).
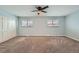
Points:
point(40, 45)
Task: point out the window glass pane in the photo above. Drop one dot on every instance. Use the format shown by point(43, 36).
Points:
point(30, 23)
point(49, 22)
point(24, 23)
point(55, 22)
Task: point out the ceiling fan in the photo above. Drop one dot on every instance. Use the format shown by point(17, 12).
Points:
point(40, 9)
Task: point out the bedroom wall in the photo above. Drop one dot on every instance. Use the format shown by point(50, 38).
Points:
point(72, 26)
point(40, 27)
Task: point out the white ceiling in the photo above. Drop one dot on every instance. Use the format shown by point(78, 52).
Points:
point(53, 10)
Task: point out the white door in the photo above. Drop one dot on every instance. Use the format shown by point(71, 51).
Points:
point(5, 28)
point(0, 28)
point(11, 27)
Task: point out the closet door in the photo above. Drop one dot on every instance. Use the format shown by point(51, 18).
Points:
point(5, 28)
point(0, 28)
point(11, 27)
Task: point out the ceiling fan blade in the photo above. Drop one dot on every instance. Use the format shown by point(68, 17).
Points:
point(45, 7)
point(34, 10)
point(44, 11)
point(36, 7)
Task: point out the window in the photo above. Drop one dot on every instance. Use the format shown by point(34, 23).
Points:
point(50, 22)
point(53, 23)
point(26, 23)
point(29, 23)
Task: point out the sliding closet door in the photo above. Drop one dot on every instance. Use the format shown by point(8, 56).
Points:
point(11, 27)
point(0, 28)
point(5, 28)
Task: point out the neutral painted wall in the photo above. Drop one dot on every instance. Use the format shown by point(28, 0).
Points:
point(72, 26)
point(40, 27)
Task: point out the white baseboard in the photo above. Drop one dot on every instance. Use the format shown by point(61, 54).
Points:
point(41, 35)
point(7, 39)
point(72, 38)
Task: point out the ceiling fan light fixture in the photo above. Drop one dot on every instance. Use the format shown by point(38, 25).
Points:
point(39, 13)
point(40, 10)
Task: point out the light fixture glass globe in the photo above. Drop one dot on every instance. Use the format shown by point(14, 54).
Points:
point(39, 13)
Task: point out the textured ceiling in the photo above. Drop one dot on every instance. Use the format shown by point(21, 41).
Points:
point(53, 10)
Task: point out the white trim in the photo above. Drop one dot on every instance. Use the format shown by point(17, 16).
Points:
point(73, 38)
